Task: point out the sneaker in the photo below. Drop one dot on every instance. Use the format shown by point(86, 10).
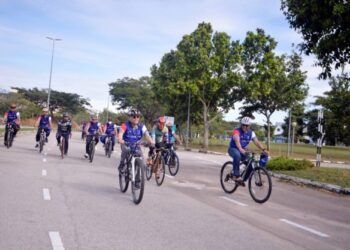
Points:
point(36, 145)
point(86, 156)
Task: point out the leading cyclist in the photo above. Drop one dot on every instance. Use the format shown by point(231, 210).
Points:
point(12, 117)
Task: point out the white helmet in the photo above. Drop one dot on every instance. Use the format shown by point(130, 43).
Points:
point(246, 121)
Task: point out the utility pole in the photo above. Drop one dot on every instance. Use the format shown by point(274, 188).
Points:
point(53, 49)
point(321, 135)
point(188, 118)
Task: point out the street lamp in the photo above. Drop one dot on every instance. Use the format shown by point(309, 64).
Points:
point(53, 49)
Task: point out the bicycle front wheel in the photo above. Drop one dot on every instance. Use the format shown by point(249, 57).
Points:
point(41, 143)
point(109, 149)
point(138, 186)
point(92, 151)
point(227, 184)
point(173, 164)
point(148, 170)
point(62, 146)
point(260, 185)
point(9, 139)
point(160, 171)
point(124, 179)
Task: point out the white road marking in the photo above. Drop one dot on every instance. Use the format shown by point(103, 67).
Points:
point(56, 241)
point(169, 176)
point(45, 153)
point(234, 201)
point(44, 160)
point(44, 172)
point(206, 160)
point(304, 228)
point(46, 194)
point(189, 184)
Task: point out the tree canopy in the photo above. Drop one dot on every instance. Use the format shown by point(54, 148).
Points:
point(325, 27)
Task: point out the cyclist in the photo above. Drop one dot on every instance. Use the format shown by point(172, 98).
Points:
point(109, 130)
point(13, 117)
point(240, 140)
point(43, 122)
point(131, 131)
point(64, 130)
point(92, 130)
point(160, 135)
point(172, 136)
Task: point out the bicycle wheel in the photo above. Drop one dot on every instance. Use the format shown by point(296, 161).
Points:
point(9, 138)
point(109, 149)
point(124, 179)
point(106, 147)
point(160, 171)
point(173, 164)
point(260, 185)
point(41, 143)
point(92, 150)
point(148, 171)
point(227, 184)
point(62, 146)
point(138, 186)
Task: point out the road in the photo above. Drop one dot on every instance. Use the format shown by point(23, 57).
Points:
point(50, 203)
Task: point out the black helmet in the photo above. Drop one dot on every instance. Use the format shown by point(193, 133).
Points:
point(65, 115)
point(134, 112)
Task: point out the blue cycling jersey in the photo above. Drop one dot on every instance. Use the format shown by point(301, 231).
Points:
point(132, 134)
point(244, 138)
point(110, 127)
point(94, 126)
point(12, 116)
point(44, 121)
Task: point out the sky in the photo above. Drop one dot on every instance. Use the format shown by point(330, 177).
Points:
point(106, 40)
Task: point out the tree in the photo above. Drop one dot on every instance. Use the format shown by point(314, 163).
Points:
point(325, 27)
point(60, 101)
point(26, 108)
point(336, 103)
point(271, 82)
point(205, 65)
point(136, 93)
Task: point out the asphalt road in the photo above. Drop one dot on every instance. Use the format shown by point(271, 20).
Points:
point(50, 203)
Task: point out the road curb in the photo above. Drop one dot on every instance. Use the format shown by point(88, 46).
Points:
point(310, 183)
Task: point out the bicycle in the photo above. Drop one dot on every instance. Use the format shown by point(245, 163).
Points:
point(92, 144)
point(9, 137)
point(42, 140)
point(157, 166)
point(259, 180)
point(63, 146)
point(134, 172)
point(172, 160)
point(108, 146)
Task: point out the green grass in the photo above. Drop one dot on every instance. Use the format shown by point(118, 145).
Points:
point(337, 176)
point(306, 151)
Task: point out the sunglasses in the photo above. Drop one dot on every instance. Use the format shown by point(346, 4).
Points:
point(135, 116)
point(13, 107)
point(245, 125)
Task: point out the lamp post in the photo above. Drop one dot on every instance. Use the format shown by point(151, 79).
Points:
point(53, 49)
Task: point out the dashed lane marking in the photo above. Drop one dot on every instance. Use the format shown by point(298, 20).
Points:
point(46, 194)
point(304, 228)
point(56, 241)
point(233, 201)
point(169, 176)
point(43, 172)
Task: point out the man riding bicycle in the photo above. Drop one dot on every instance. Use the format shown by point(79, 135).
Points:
point(43, 122)
point(240, 140)
point(172, 136)
point(92, 130)
point(12, 117)
point(64, 130)
point(131, 131)
point(109, 130)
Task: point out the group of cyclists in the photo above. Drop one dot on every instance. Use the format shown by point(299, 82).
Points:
point(132, 131)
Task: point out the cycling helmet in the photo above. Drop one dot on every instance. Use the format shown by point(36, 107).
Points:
point(246, 121)
point(64, 115)
point(263, 160)
point(45, 110)
point(161, 119)
point(134, 112)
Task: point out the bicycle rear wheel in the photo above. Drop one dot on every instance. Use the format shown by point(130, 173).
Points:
point(41, 143)
point(173, 164)
point(92, 150)
point(9, 138)
point(260, 185)
point(138, 186)
point(160, 171)
point(227, 184)
point(124, 179)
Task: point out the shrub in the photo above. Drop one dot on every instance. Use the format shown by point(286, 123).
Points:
point(286, 164)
